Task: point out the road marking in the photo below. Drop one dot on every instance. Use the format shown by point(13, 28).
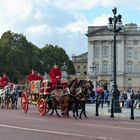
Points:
point(107, 126)
point(30, 118)
point(55, 132)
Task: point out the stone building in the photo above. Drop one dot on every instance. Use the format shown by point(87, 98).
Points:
point(100, 52)
point(80, 64)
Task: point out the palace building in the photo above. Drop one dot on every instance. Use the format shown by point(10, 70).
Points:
point(80, 65)
point(100, 52)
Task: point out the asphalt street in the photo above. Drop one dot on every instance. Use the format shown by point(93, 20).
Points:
point(16, 125)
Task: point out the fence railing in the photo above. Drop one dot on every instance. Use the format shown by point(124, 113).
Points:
point(129, 108)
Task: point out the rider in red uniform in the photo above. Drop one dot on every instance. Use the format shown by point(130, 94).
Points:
point(55, 74)
point(4, 80)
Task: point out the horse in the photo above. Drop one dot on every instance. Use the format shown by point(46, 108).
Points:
point(72, 101)
point(81, 90)
point(61, 98)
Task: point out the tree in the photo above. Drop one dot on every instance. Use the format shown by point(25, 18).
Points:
point(18, 57)
point(51, 54)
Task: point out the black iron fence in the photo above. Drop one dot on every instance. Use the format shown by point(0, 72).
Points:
point(100, 107)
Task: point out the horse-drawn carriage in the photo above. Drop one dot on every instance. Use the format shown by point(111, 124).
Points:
point(9, 96)
point(38, 92)
point(46, 96)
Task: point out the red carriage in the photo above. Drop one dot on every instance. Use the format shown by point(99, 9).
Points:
point(38, 93)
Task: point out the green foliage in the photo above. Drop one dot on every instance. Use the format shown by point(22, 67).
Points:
point(18, 57)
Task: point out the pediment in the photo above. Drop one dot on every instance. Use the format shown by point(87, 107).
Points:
point(98, 31)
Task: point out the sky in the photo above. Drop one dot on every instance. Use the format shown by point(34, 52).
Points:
point(63, 22)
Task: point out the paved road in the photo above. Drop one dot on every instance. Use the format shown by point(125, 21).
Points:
point(16, 125)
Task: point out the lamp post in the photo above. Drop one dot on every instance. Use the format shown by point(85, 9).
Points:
point(93, 73)
point(115, 25)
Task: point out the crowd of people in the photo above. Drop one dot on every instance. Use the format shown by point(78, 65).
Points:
point(125, 97)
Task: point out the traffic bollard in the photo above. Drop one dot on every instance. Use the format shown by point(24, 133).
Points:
point(132, 110)
point(97, 106)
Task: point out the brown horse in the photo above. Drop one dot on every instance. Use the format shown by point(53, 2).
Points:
point(64, 100)
point(69, 101)
point(81, 90)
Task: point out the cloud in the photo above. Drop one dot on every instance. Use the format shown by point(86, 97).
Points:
point(79, 25)
point(75, 4)
point(58, 22)
point(16, 8)
point(38, 15)
point(39, 34)
point(102, 20)
point(37, 30)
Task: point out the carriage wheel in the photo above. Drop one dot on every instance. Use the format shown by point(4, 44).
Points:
point(24, 102)
point(42, 107)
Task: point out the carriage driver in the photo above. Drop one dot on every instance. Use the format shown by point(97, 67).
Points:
point(55, 74)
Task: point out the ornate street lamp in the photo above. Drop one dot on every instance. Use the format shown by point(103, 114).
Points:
point(93, 74)
point(115, 25)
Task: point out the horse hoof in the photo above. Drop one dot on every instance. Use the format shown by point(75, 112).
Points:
point(63, 113)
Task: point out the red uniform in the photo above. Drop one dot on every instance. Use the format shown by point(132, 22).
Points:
point(34, 76)
point(55, 75)
point(4, 81)
point(46, 87)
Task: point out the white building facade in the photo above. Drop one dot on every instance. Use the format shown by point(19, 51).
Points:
point(100, 52)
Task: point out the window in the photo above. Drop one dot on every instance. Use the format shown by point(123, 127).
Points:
point(84, 67)
point(135, 42)
point(129, 52)
point(97, 68)
point(129, 67)
point(105, 67)
point(97, 51)
point(105, 51)
point(78, 69)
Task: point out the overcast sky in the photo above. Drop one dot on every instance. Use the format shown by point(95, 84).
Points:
point(62, 22)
